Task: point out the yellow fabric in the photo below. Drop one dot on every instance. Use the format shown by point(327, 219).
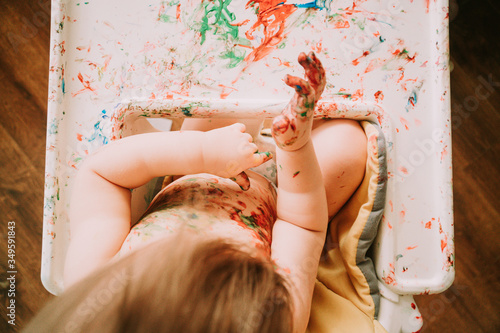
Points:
point(342, 300)
point(333, 313)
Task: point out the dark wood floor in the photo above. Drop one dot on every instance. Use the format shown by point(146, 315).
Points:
point(471, 305)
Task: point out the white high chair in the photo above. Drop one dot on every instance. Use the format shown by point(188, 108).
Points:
point(114, 63)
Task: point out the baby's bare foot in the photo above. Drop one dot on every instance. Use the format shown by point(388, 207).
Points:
point(292, 129)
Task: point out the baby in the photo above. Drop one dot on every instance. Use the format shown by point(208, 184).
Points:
point(226, 251)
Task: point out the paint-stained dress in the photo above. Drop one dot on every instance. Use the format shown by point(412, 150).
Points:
point(205, 204)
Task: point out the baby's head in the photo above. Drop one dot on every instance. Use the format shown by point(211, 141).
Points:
point(181, 286)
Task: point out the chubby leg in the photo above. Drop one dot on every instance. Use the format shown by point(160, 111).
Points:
point(340, 146)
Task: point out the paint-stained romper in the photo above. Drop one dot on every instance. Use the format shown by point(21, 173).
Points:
point(205, 204)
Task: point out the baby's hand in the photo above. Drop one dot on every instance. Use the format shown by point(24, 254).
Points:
point(292, 129)
point(228, 151)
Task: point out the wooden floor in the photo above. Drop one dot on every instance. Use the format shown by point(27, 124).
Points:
point(471, 305)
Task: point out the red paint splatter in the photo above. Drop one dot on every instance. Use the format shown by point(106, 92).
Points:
point(296, 174)
point(428, 225)
point(379, 96)
point(86, 85)
point(444, 152)
point(355, 62)
point(390, 278)
point(271, 14)
point(178, 13)
point(413, 306)
point(412, 247)
point(404, 122)
point(444, 243)
point(358, 94)
point(79, 136)
point(226, 91)
point(403, 170)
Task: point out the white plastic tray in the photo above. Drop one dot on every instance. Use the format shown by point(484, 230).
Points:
point(116, 61)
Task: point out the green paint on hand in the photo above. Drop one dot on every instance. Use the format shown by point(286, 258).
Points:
point(296, 174)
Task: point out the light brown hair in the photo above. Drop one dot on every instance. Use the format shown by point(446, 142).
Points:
point(180, 286)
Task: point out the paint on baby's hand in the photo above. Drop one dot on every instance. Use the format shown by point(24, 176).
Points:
point(296, 174)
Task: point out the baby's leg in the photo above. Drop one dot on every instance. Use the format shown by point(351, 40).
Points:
point(340, 146)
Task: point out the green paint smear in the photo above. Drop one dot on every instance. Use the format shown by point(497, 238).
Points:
point(248, 220)
point(235, 57)
point(167, 18)
point(221, 17)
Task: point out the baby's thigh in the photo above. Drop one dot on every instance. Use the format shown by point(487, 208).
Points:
point(340, 146)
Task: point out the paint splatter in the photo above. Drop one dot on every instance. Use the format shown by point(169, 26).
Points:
point(271, 15)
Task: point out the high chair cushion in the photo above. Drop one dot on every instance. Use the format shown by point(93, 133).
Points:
point(346, 296)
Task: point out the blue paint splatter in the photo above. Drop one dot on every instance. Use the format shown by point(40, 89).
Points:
point(98, 136)
point(312, 4)
point(187, 111)
point(412, 101)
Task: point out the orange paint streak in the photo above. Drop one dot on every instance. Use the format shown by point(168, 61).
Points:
point(412, 247)
point(272, 15)
point(226, 91)
point(178, 13)
point(341, 24)
point(240, 24)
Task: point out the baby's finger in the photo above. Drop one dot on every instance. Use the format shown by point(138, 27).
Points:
point(319, 75)
point(242, 180)
point(261, 157)
point(317, 63)
point(312, 68)
point(301, 86)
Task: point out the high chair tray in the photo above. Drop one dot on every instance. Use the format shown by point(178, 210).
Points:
point(115, 62)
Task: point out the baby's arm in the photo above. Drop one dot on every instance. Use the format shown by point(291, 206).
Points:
point(100, 206)
point(299, 232)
